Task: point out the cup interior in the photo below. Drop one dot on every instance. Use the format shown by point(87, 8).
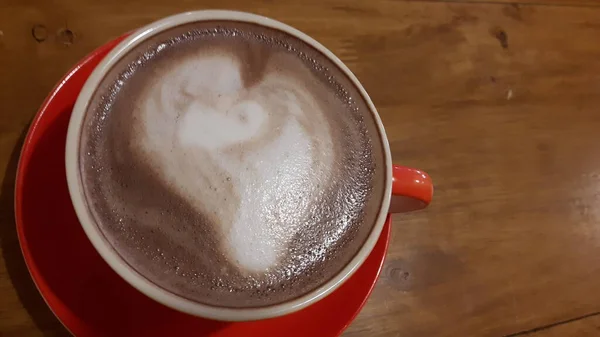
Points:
point(128, 273)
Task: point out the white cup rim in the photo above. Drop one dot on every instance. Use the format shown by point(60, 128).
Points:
point(119, 265)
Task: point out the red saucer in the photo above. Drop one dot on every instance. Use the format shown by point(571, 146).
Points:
point(81, 289)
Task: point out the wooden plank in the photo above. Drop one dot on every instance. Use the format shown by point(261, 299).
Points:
point(499, 103)
point(508, 131)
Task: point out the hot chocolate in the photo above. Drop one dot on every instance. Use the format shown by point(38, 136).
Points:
point(231, 164)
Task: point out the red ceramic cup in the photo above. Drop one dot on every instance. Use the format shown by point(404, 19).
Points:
point(405, 188)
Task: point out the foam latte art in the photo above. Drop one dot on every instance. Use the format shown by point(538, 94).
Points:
point(252, 158)
point(231, 164)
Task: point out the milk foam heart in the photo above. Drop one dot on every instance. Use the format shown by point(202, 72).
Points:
point(200, 112)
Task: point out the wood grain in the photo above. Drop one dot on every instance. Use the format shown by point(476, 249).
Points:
point(499, 103)
point(588, 327)
point(523, 3)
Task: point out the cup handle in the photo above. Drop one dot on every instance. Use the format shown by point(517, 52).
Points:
point(412, 189)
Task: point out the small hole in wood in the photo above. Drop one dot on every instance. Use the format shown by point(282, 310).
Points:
point(66, 36)
point(39, 33)
point(501, 36)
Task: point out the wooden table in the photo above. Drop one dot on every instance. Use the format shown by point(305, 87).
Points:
point(498, 101)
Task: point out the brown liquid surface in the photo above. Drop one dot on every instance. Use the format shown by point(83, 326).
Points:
point(169, 208)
